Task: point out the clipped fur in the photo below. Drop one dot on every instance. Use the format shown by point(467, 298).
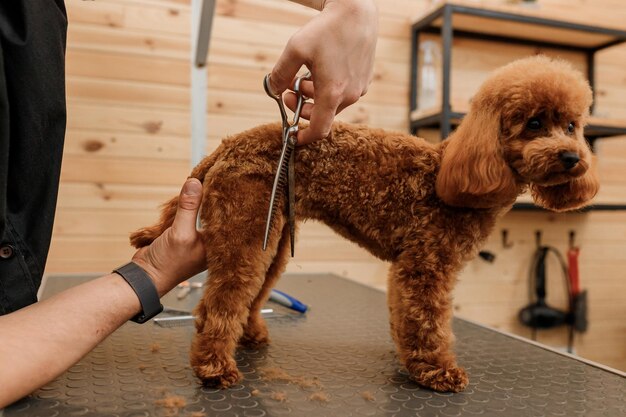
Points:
point(424, 208)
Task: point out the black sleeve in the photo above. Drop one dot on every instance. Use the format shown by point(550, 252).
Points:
point(32, 130)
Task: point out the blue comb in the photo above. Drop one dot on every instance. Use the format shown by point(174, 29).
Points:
point(288, 301)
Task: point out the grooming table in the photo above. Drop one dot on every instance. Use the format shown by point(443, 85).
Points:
point(343, 344)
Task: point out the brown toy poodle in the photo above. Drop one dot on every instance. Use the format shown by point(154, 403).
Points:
point(424, 208)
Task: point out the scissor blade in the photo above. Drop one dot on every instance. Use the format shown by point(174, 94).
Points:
point(280, 179)
point(291, 176)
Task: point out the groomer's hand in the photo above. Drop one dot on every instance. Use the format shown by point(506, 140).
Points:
point(178, 253)
point(338, 47)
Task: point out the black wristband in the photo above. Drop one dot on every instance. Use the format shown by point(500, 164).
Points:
point(142, 284)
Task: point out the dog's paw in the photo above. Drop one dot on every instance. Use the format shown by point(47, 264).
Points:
point(255, 336)
point(218, 375)
point(452, 379)
point(254, 341)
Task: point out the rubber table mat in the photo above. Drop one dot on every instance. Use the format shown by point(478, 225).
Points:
point(337, 360)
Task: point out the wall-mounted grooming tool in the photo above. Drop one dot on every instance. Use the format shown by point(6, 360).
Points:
point(506, 244)
point(578, 296)
point(538, 314)
point(487, 256)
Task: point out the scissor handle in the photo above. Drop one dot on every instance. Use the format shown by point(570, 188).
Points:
point(279, 100)
point(288, 128)
point(301, 97)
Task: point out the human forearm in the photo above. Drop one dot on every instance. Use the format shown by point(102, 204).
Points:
point(47, 338)
point(41, 341)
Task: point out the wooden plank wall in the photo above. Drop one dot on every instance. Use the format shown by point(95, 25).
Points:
point(127, 145)
point(127, 142)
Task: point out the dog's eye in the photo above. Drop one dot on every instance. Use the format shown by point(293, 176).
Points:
point(571, 127)
point(534, 124)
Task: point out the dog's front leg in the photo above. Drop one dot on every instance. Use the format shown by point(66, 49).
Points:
point(420, 314)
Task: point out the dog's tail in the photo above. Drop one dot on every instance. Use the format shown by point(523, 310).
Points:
point(145, 236)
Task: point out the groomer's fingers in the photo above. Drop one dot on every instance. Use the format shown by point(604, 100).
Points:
point(291, 101)
point(307, 108)
point(184, 225)
point(306, 87)
point(321, 119)
point(290, 98)
point(286, 68)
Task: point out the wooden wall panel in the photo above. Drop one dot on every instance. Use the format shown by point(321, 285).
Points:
point(127, 145)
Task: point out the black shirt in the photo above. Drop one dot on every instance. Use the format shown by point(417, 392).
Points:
point(32, 129)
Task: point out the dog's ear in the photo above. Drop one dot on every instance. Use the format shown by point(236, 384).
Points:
point(473, 172)
point(571, 195)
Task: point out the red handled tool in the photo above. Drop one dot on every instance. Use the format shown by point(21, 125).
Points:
point(572, 267)
point(578, 297)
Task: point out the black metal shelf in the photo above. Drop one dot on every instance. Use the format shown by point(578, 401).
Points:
point(518, 30)
point(593, 131)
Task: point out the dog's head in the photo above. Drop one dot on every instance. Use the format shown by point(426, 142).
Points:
point(525, 127)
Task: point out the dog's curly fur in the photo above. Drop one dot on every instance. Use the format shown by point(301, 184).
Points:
point(425, 208)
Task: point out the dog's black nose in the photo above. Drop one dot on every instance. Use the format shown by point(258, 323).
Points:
point(569, 159)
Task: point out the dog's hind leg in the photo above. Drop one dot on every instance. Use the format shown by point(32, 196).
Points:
point(420, 313)
point(255, 332)
point(233, 225)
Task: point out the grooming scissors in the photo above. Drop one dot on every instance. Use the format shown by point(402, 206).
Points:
point(285, 172)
